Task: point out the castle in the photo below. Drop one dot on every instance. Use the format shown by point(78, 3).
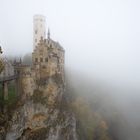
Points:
point(48, 55)
point(42, 111)
point(47, 58)
point(47, 61)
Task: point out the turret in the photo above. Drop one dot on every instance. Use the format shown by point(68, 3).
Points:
point(39, 22)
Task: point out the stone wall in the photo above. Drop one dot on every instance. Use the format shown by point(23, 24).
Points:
point(48, 59)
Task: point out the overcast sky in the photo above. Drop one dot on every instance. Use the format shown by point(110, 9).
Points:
point(101, 37)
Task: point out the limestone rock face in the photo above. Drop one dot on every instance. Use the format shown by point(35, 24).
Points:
point(42, 116)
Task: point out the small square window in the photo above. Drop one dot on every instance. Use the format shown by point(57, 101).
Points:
point(41, 59)
point(44, 67)
point(36, 60)
point(46, 59)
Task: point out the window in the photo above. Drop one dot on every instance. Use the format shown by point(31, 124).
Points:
point(41, 59)
point(35, 31)
point(36, 60)
point(44, 67)
point(46, 59)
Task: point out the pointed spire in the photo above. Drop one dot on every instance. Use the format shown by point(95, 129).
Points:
point(48, 33)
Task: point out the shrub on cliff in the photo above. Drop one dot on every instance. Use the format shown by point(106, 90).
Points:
point(90, 124)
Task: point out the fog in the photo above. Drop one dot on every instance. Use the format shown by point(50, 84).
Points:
point(101, 39)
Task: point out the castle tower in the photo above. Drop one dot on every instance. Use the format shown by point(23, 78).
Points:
point(39, 29)
point(48, 55)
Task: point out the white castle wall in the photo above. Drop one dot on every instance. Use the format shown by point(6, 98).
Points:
point(39, 29)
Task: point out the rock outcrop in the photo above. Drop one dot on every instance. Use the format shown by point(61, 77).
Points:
point(43, 116)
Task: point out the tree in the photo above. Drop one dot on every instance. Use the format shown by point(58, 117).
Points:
point(1, 63)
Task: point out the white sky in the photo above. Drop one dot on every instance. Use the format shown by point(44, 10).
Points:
point(101, 37)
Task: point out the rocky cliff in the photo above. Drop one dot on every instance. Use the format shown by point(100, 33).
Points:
point(44, 115)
